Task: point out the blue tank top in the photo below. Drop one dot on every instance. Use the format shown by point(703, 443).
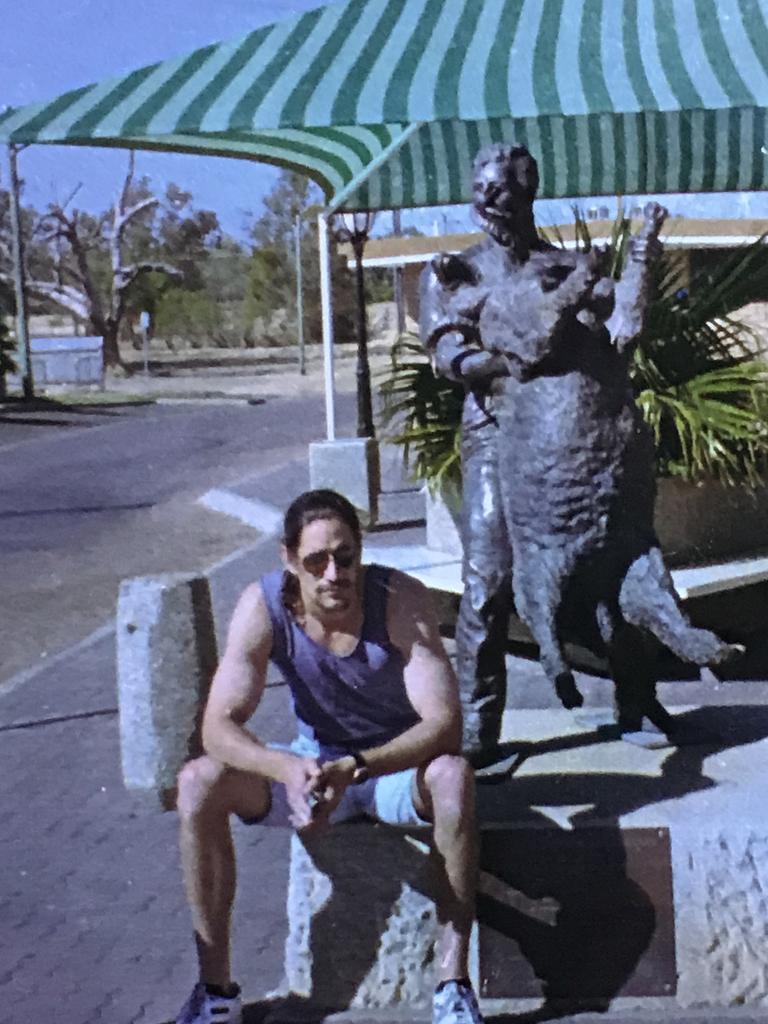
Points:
point(345, 703)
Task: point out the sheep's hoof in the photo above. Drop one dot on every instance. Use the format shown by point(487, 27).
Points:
point(567, 691)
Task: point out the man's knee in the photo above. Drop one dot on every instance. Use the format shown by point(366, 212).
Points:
point(199, 786)
point(450, 781)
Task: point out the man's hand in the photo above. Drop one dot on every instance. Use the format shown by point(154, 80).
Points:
point(335, 776)
point(327, 790)
point(301, 778)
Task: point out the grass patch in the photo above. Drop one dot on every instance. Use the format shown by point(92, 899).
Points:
point(70, 399)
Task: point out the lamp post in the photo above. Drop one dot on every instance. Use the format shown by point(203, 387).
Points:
point(354, 228)
point(299, 296)
point(22, 326)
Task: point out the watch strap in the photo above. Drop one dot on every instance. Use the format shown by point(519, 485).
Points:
point(361, 767)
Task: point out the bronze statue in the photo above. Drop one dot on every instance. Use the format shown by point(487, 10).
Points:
point(574, 466)
point(505, 183)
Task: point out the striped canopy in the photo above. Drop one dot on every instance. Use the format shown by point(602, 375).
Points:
point(385, 102)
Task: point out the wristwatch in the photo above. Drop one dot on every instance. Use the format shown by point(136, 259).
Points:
point(362, 770)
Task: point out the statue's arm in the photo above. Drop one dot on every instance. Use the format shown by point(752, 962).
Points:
point(633, 290)
point(448, 323)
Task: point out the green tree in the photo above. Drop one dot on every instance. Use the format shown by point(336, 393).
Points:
point(270, 302)
point(191, 316)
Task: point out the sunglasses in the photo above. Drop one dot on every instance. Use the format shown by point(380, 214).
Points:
point(317, 562)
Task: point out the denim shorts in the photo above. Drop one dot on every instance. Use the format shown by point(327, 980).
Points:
point(388, 798)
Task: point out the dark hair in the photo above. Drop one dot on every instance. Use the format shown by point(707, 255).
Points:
point(319, 504)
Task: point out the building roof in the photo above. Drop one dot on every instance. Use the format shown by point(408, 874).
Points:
point(679, 233)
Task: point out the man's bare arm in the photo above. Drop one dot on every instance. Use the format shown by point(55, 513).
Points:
point(448, 323)
point(429, 680)
point(237, 689)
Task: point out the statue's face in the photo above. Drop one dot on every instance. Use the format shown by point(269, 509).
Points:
point(502, 189)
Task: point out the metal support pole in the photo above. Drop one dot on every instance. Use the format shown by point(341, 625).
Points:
point(398, 278)
point(327, 311)
point(22, 332)
point(300, 300)
point(363, 372)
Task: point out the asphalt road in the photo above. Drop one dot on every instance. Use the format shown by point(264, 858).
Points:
point(91, 496)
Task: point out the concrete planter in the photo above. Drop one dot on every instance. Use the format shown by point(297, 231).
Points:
point(443, 509)
point(710, 522)
point(696, 522)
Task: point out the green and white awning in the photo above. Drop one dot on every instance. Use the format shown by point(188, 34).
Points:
point(385, 102)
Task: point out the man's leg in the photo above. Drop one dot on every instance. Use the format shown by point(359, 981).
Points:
point(445, 795)
point(482, 626)
point(208, 794)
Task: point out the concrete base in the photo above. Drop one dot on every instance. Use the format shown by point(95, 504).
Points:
point(351, 467)
point(362, 923)
point(611, 875)
point(443, 512)
point(166, 657)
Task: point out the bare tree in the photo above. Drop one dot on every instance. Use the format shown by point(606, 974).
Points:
point(74, 285)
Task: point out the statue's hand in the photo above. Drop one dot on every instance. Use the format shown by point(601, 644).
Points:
point(473, 367)
point(645, 247)
point(452, 271)
point(654, 215)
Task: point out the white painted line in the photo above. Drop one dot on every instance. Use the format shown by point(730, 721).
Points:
point(28, 674)
point(250, 511)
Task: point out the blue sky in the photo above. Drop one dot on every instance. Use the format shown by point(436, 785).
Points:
point(49, 46)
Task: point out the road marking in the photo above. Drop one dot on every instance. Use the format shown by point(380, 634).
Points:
point(250, 511)
point(28, 674)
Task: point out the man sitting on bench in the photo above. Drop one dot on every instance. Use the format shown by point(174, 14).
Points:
point(379, 733)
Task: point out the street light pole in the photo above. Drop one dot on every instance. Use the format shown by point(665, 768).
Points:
point(354, 229)
point(363, 373)
point(398, 278)
point(299, 297)
point(22, 331)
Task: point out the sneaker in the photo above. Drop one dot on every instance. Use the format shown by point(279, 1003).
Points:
point(203, 1008)
point(455, 1003)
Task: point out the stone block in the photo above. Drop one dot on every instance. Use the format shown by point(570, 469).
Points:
point(166, 657)
point(721, 879)
point(362, 923)
point(351, 467)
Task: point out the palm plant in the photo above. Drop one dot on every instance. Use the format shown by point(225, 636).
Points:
point(702, 391)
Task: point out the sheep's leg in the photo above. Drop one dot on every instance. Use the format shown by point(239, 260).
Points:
point(636, 706)
point(538, 594)
point(648, 600)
